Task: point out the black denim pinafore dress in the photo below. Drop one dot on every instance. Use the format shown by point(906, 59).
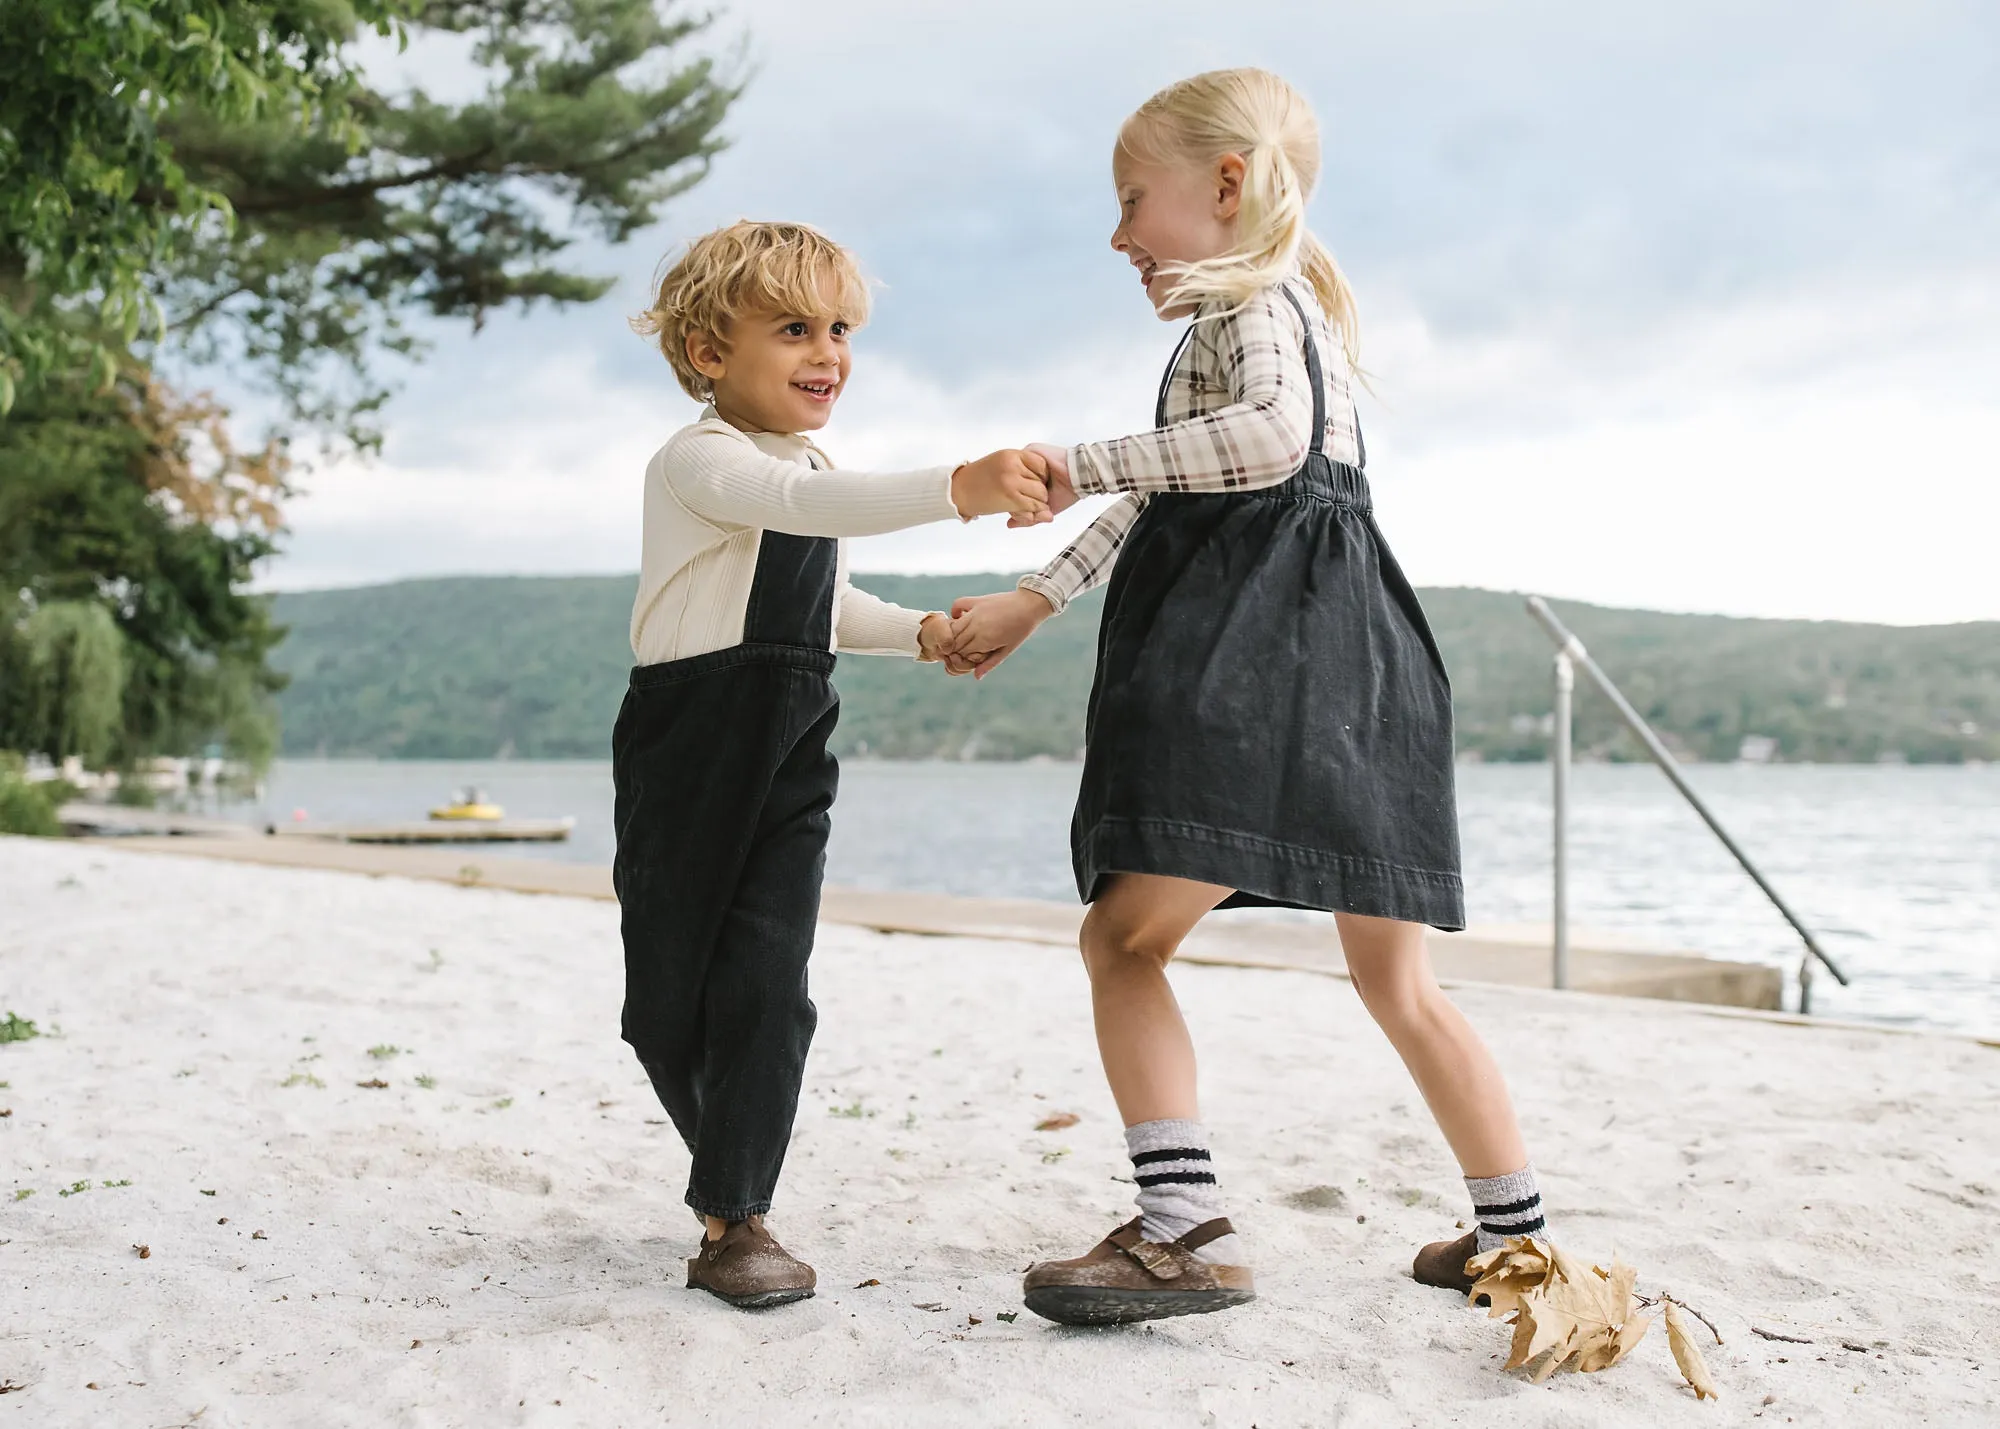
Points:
point(1270, 711)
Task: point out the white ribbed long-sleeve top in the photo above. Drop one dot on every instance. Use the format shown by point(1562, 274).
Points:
point(711, 493)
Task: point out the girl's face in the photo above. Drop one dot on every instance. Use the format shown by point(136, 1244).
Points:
point(1170, 215)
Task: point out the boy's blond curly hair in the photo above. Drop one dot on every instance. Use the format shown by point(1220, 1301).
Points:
point(788, 267)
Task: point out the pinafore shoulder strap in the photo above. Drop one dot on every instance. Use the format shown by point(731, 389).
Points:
point(1314, 374)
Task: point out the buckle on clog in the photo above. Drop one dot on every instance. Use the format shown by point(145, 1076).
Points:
point(1156, 1260)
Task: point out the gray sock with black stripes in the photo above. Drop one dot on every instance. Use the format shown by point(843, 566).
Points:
point(1509, 1205)
point(1177, 1189)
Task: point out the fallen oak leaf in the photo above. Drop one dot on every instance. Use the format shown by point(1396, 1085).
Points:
point(973, 1320)
point(1058, 1121)
point(1566, 1315)
point(373, 1083)
point(871, 1280)
point(145, 1251)
point(1687, 1355)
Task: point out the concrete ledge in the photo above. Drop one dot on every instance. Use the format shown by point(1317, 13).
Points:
point(1225, 940)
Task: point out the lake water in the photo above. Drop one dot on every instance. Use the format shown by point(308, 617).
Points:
point(1896, 869)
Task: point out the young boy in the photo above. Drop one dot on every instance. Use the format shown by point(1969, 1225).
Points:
point(720, 762)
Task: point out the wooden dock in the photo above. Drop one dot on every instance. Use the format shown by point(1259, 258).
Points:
point(119, 821)
point(1514, 957)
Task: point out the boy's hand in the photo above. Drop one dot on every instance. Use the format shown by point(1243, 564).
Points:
point(1062, 495)
point(934, 638)
point(986, 629)
point(1010, 482)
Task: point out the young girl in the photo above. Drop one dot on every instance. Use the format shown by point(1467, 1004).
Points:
point(1270, 723)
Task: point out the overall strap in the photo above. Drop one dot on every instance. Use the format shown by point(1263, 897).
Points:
point(791, 591)
point(1167, 377)
point(1313, 372)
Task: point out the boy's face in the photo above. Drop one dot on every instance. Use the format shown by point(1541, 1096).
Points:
point(775, 371)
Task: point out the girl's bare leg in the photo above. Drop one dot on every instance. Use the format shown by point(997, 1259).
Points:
point(1129, 936)
point(1460, 1082)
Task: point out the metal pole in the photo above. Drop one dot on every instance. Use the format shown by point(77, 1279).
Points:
point(1565, 686)
point(1573, 647)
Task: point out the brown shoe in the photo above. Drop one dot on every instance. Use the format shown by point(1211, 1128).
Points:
point(749, 1269)
point(1125, 1278)
point(1442, 1263)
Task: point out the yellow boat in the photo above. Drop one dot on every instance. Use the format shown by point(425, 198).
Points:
point(470, 804)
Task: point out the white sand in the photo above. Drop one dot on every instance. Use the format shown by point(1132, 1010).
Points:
point(521, 1219)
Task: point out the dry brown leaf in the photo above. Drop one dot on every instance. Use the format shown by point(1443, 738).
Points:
point(1687, 1354)
point(1058, 1121)
point(1566, 1315)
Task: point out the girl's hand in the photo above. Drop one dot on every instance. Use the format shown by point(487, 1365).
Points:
point(1062, 495)
point(986, 629)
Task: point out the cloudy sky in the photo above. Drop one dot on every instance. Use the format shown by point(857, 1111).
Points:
point(1691, 307)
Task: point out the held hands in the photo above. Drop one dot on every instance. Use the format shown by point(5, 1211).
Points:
point(1030, 485)
point(1008, 482)
point(933, 638)
point(986, 629)
point(1062, 495)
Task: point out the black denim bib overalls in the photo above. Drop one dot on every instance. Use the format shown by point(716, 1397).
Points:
point(1270, 711)
point(724, 784)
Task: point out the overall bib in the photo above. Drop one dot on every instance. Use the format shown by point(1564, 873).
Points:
point(723, 789)
point(1270, 711)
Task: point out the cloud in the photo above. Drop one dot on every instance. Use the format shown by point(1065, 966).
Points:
point(1691, 307)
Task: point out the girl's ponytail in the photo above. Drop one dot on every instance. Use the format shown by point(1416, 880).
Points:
point(1336, 299)
point(1254, 113)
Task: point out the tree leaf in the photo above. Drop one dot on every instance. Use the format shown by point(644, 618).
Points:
point(1687, 1355)
point(1566, 1314)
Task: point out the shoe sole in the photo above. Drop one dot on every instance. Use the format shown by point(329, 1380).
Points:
point(756, 1299)
point(1087, 1305)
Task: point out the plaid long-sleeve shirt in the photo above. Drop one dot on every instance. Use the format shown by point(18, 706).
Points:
point(1239, 417)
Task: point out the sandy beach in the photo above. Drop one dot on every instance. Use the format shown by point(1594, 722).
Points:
point(391, 1165)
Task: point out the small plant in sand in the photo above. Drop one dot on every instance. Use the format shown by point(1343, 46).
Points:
point(383, 1051)
point(853, 1111)
point(427, 1081)
point(16, 1028)
point(302, 1079)
point(22, 1193)
point(1567, 1315)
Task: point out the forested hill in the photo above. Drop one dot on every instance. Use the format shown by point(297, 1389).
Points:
point(533, 667)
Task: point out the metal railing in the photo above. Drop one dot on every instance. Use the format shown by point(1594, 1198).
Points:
point(1570, 654)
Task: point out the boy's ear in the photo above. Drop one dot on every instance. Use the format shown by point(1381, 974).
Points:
point(1229, 171)
point(706, 354)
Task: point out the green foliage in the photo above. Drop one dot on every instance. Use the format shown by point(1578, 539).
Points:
point(28, 808)
point(1824, 691)
point(94, 198)
point(16, 1028)
point(473, 668)
point(82, 529)
point(75, 670)
point(218, 172)
point(400, 203)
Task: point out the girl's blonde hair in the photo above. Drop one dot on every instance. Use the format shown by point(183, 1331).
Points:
point(1254, 113)
point(783, 267)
